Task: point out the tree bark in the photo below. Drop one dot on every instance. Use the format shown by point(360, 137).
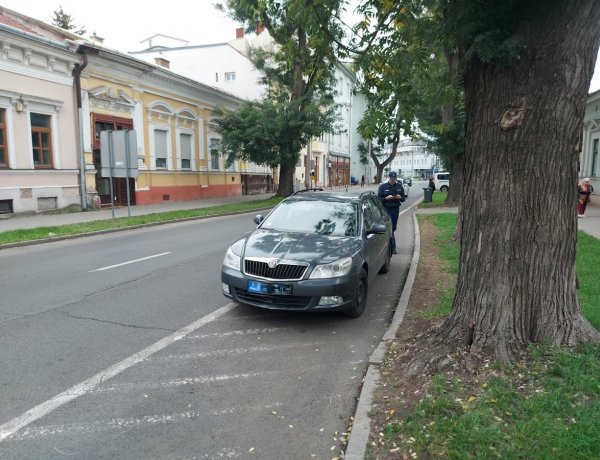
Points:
point(516, 281)
point(287, 173)
point(456, 170)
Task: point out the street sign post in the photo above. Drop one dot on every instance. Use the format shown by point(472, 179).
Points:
point(118, 157)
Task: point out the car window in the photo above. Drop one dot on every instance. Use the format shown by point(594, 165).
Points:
point(381, 209)
point(313, 216)
point(443, 176)
point(368, 214)
point(372, 212)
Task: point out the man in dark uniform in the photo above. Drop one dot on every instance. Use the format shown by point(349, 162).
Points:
point(391, 194)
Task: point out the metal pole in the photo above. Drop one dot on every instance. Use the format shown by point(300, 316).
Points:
point(307, 178)
point(110, 176)
point(127, 175)
point(369, 162)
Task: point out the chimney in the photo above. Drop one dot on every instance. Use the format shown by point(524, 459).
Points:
point(162, 62)
point(96, 38)
point(260, 28)
point(239, 32)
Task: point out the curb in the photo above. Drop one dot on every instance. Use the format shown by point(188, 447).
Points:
point(359, 436)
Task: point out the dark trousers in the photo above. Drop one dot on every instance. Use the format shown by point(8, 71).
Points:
point(393, 213)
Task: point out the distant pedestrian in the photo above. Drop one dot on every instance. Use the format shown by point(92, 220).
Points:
point(431, 184)
point(391, 194)
point(362, 181)
point(584, 190)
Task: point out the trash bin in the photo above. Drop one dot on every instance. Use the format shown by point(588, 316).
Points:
point(427, 195)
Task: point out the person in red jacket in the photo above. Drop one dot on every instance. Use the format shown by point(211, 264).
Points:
point(584, 190)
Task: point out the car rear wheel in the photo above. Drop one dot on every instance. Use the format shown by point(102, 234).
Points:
point(359, 299)
point(386, 265)
point(444, 188)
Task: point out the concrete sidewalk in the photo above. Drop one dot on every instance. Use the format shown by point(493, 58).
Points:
point(18, 221)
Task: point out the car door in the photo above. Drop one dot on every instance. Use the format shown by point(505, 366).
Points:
point(375, 245)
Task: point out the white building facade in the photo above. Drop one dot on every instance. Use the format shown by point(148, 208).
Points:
point(413, 160)
point(589, 160)
point(39, 154)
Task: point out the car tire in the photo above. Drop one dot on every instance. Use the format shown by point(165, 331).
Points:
point(444, 188)
point(388, 259)
point(359, 298)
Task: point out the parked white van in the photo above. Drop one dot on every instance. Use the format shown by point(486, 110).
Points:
point(442, 181)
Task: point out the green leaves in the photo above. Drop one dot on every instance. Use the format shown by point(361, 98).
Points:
point(299, 74)
point(65, 21)
point(271, 132)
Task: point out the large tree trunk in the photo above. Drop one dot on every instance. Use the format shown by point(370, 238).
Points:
point(287, 174)
point(516, 281)
point(456, 170)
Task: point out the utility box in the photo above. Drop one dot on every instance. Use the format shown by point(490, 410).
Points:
point(427, 195)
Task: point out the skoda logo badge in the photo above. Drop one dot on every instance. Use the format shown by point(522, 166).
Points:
point(273, 263)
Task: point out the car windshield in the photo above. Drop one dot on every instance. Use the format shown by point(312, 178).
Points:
point(317, 217)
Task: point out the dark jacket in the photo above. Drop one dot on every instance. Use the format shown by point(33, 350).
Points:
point(432, 184)
point(387, 189)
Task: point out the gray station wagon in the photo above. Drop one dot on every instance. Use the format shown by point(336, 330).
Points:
point(313, 251)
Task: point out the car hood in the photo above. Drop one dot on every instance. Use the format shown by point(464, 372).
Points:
point(300, 247)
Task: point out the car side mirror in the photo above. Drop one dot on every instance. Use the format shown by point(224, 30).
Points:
point(377, 229)
point(258, 219)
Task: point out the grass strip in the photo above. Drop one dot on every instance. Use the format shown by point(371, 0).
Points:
point(438, 199)
point(16, 236)
point(546, 405)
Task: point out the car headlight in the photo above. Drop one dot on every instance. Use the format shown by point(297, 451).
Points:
point(333, 270)
point(233, 256)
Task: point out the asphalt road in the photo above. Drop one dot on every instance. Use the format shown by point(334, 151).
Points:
point(93, 365)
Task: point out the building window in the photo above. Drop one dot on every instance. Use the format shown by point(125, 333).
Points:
point(3, 141)
point(185, 143)
point(214, 148)
point(160, 148)
point(229, 76)
point(41, 140)
point(595, 158)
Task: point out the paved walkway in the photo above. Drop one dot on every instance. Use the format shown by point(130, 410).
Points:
point(18, 221)
point(590, 224)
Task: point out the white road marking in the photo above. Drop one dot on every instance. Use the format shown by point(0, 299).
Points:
point(235, 351)
point(97, 426)
point(86, 386)
point(129, 262)
point(174, 383)
point(267, 330)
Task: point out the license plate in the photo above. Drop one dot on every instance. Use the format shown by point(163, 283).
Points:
point(264, 288)
point(282, 289)
point(257, 286)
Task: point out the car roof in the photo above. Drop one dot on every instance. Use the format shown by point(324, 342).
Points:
point(327, 196)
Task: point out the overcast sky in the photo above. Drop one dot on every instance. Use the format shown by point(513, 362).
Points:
point(124, 23)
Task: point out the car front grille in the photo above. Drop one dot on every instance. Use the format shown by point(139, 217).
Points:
point(282, 271)
point(283, 302)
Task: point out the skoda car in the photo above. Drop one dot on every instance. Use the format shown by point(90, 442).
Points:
point(313, 251)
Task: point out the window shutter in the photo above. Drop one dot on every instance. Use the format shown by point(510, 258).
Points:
point(185, 144)
point(160, 148)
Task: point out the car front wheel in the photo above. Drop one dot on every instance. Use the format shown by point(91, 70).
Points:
point(444, 188)
point(359, 299)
